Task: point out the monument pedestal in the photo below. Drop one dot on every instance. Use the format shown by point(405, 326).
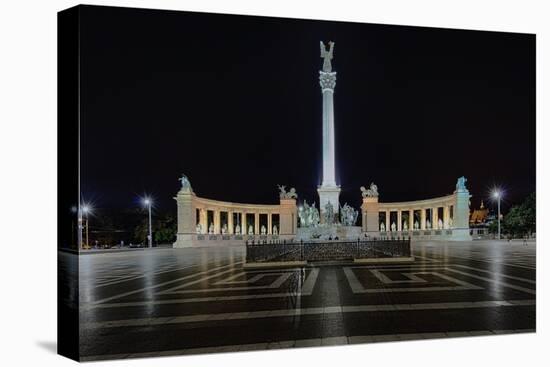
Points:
point(329, 194)
point(370, 214)
point(461, 234)
point(186, 218)
point(288, 218)
point(333, 232)
point(184, 240)
point(461, 230)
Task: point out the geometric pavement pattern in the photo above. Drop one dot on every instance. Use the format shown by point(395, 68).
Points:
point(170, 302)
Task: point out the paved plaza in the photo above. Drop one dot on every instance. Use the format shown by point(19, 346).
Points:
point(184, 301)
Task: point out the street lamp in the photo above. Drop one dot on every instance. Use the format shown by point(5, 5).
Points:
point(86, 209)
point(79, 240)
point(497, 195)
point(148, 202)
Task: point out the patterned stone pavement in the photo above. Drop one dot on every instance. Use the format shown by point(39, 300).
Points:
point(184, 301)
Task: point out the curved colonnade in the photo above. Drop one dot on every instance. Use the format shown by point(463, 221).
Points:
point(203, 221)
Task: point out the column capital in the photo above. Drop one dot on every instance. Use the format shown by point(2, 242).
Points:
point(327, 81)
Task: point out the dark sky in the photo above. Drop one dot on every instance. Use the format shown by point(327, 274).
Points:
point(234, 103)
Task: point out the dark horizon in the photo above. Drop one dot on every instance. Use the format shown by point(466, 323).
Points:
point(234, 103)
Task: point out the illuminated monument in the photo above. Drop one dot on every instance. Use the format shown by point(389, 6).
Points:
point(207, 222)
point(329, 192)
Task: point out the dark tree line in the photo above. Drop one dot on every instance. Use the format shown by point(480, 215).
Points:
point(164, 230)
point(110, 227)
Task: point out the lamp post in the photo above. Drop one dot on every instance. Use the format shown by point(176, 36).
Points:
point(86, 209)
point(497, 195)
point(147, 202)
point(79, 223)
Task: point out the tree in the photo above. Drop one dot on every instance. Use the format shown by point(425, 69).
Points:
point(166, 230)
point(141, 231)
point(520, 220)
point(529, 208)
point(514, 222)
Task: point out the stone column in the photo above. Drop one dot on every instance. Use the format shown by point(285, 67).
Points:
point(388, 224)
point(411, 219)
point(269, 224)
point(327, 80)
point(186, 218)
point(434, 218)
point(423, 218)
point(446, 217)
point(256, 223)
point(244, 227)
point(230, 230)
point(328, 191)
point(203, 220)
point(399, 224)
point(217, 228)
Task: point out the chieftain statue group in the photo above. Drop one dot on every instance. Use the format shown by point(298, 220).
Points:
point(309, 214)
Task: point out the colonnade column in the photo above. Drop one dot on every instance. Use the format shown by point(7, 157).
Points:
point(269, 224)
point(244, 229)
point(434, 218)
point(411, 219)
point(388, 220)
point(446, 216)
point(399, 228)
point(217, 228)
point(423, 218)
point(203, 220)
point(256, 223)
point(230, 222)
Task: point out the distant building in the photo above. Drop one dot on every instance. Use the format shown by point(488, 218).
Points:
point(480, 217)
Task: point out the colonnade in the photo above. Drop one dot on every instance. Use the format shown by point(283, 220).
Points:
point(445, 212)
point(421, 218)
point(234, 218)
point(201, 216)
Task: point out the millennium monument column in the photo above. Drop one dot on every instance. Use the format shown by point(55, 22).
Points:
point(328, 191)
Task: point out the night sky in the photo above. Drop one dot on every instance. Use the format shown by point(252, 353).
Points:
point(234, 103)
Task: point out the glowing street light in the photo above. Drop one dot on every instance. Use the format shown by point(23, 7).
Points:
point(497, 195)
point(147, 201)
point(86, 209)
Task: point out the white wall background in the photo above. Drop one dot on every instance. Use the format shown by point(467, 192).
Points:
point(28, 180)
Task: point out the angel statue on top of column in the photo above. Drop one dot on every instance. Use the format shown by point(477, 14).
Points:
point(327, 56)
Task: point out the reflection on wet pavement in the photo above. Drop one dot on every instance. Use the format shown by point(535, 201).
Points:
point(180, 301)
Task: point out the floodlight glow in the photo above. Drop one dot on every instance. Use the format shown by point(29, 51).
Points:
point(147, 201)
point(86, 208)
point(496, 194)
